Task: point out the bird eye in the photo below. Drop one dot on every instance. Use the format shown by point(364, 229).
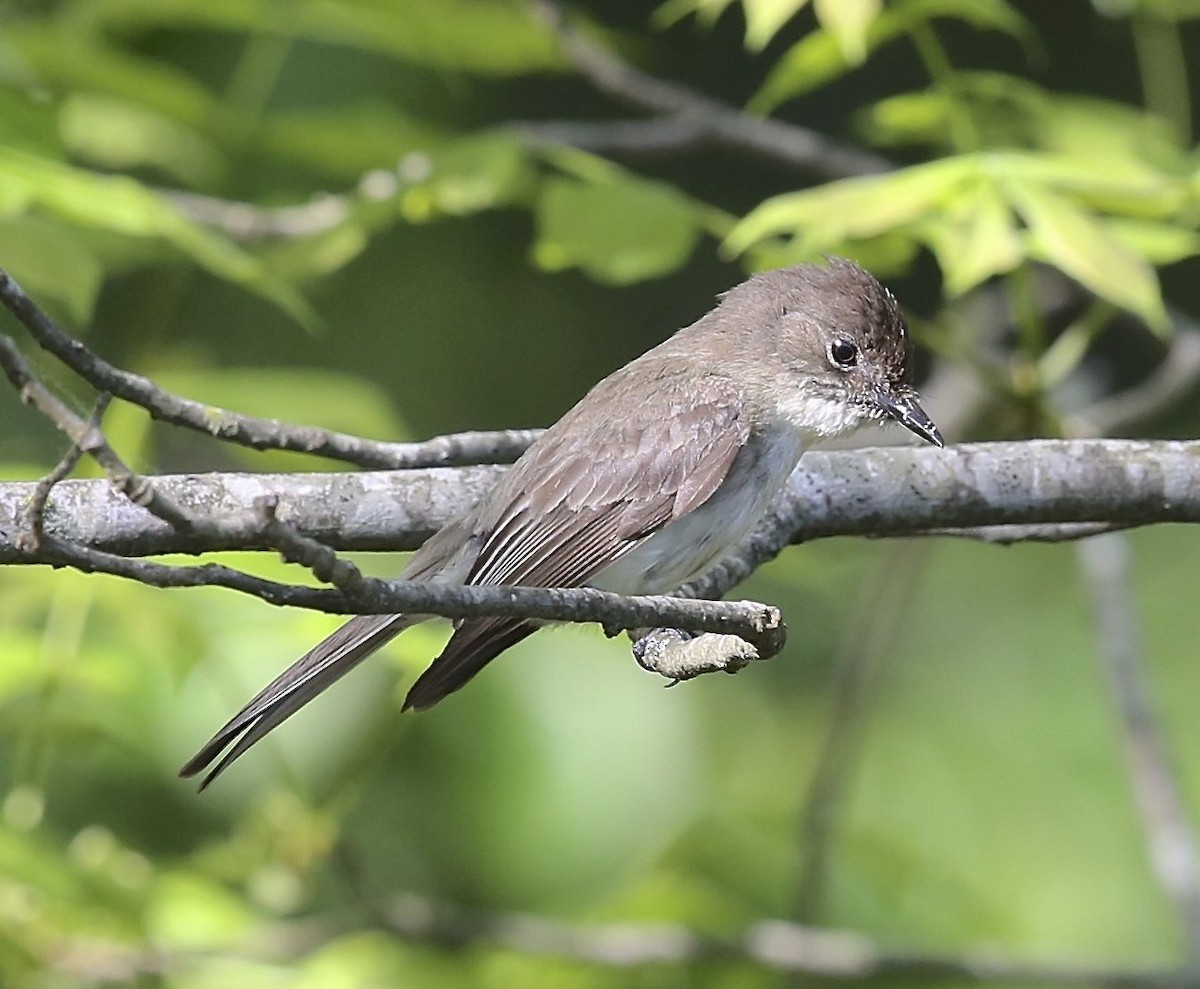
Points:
point(843, 353)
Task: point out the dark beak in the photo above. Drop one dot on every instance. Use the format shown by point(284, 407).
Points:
point(904, 409)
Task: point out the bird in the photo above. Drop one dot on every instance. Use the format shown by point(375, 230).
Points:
point(654, 476)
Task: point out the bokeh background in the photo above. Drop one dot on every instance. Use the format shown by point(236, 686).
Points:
point(934, 761)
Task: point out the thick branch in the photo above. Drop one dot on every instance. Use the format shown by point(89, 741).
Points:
point(874, 492)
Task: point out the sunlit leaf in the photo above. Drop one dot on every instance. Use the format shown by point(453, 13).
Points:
point(617, 232)
point(764, 18)
point(1158, 243)
point(848, 22)
point(1138, 192)
point(1083, 247)
point(820, 57)
point(823, 217)
point(973, 238)
point(121, 135)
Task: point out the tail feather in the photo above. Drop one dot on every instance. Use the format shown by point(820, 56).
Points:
point(312, 673)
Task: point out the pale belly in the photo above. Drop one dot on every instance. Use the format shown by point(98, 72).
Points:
point(688, 547)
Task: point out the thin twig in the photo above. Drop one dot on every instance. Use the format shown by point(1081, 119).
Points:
point(1171, 839)
point(34, 515)
point(790, 144)
point(759, 624)
point(253, 431)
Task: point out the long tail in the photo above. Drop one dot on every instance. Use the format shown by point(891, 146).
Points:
point(328, 661)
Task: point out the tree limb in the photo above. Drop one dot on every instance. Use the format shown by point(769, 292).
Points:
point(1060, 488)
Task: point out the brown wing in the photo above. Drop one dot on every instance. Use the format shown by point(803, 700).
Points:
point(604, 479)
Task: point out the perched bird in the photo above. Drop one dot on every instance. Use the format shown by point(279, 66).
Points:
point(657, 473)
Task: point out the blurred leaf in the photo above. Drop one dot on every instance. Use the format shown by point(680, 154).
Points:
point(1158, 243)
point(848, 21)
point(1005, 109)
point(466, 175)
point(124, 206)
point(764, 18)
point(618, 232)
point(1083, 247)
point(1139, 192)
point(65, 60)
point(29, 121)
point(121, 135)
point(51, 262)
point(823, 217)
point(187, 911)
point(1011, 112)
point(820, 57)
point(346, 141)
point(493, 36)
point(973, 238)
point(300, 258)
point(1118, 141)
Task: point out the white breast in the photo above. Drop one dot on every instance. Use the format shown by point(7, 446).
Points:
point(687, 547)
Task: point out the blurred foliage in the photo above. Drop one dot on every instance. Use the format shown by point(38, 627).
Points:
point(301, 207)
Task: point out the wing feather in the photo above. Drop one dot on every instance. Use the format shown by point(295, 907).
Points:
point(578, 504)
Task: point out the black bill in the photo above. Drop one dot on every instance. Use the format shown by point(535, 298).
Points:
point(905, 410)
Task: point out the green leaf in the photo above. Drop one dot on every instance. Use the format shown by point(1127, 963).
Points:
point(347, 141)
point(1158, 243)
point(467, 175)
point(499, 37)
point(29, 121)
point(619, 232)
point(823, 218)
point(121, 135)
point(973, 238)
point(848, 21)
point(820, 57)
point(764, 18)
point(51, 262)
point(67, 60)
point(1084, 247)
point(121, 205)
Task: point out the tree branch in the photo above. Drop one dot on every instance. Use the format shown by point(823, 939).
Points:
point(1060, 488)
point(789, 144)
point(252, 431)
